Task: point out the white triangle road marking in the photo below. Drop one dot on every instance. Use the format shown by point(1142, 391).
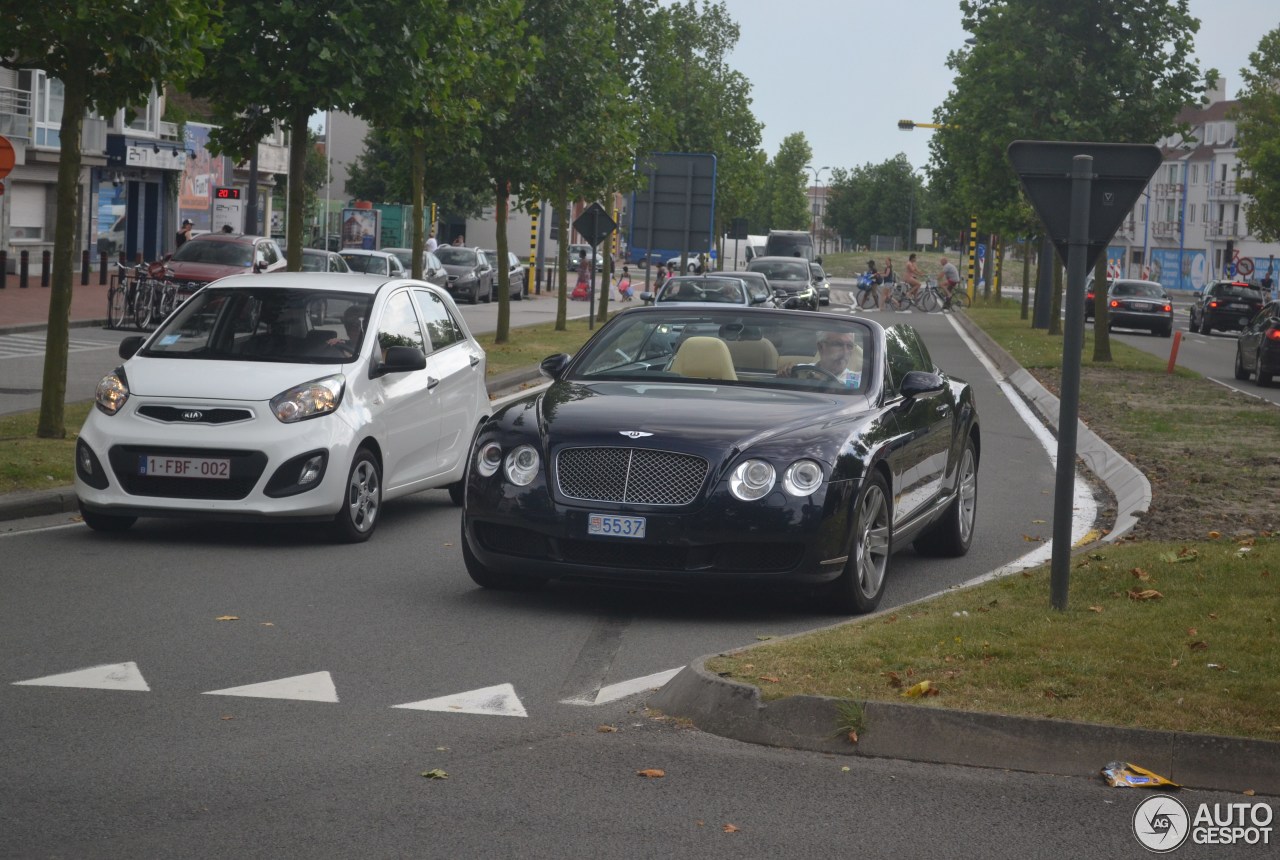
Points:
point(499, 700)
point(622, 689)
point(112, 676)
point(315, 687)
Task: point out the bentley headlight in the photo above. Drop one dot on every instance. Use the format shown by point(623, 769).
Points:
point(488, 458)
point(112, 392)
point(802, 478)
point(753, 479)
point(522, 465)
point(309, 400)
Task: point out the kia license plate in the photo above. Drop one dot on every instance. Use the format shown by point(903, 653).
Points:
point(615, 526)
point(184, 467)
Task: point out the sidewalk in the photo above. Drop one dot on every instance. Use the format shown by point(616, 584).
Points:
point(28, 309)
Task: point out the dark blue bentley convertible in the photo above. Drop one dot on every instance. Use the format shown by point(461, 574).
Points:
point(701, 445)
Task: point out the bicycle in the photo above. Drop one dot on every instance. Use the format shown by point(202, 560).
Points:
point(123, 297)
point(868, 292)
point(900, 298)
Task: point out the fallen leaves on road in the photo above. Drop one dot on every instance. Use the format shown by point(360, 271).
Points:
point(226, 717)
point(651, 773)
point(606, 729)
point(1032, 539)
point(435, 773)
point(227, 618)
point(729, 828)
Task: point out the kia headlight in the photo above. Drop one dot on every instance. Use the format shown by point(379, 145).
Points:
point(751, 480)
point(309, 400)
point(112, 392)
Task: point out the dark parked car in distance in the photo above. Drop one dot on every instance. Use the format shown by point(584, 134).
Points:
point(1226, 306)
point(515, 272)
point(470, 273)
point(1139, 304)
point(1258, 347)
point(432, 269)
point(790, 275)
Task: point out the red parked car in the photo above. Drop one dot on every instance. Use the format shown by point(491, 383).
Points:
point(211, 256)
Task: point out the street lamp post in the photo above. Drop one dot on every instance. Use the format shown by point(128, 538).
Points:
point(813, 222)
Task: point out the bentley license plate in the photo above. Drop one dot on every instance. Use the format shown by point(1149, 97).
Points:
point(615, 526)
point(184, 467)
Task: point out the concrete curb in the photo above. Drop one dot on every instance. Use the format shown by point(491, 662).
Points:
point(1130, 487)
point(21, 328)
point(941, 736)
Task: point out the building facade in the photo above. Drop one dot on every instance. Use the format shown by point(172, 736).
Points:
point(1188, 227)
point(140, 175)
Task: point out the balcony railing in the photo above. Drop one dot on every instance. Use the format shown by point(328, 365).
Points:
point(15, 114)
point(1224, 190)
point(1224, 229)
point(1164, 228)
point(1167, 189)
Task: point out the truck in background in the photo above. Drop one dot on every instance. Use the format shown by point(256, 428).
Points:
point(739, 252)
point(790, 243)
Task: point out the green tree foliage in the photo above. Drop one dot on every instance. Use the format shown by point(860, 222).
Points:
point(289, 61)
point(108, 55)
point(1047, 70)
point(784, 205)
point(450, 83)
point(1257, 121)
point(382, 174)
point(877, 200)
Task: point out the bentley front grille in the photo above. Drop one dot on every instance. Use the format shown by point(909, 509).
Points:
point(637, 476)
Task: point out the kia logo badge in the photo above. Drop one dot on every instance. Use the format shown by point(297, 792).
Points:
point(634, 434)
point(192, 415)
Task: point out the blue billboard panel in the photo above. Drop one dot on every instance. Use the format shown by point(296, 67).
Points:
point(1186, 269)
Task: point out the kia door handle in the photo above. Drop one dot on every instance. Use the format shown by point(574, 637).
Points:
point(432, 382)
point(475, 359)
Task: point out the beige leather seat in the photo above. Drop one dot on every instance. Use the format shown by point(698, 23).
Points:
point(753, 352)
point(704, 358)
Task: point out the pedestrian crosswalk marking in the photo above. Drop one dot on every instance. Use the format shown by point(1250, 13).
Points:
point(315, 687)
point(27, 345)
point(113, 676)
point(499, 700)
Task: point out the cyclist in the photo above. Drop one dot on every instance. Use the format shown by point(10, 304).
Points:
point(913, 277)
point(948, 277)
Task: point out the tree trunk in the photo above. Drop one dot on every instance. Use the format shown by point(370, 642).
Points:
point(53, 389)
point(298, 144)
point(1026, 277)
point(606, 274)
point(1055, 313)
point(503, 198)
point(562, 257)
point(1101, 312)
point(417, 181)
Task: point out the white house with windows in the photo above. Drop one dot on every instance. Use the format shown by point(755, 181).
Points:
point(140, 175)
point(1188, 227)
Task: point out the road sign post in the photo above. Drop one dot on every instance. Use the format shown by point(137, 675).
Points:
point(1082, 192)
point(594, 224)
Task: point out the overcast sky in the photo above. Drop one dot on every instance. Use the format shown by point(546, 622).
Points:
point(845, 71)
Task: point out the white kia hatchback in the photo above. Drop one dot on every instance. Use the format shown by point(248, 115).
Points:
point(286, 396)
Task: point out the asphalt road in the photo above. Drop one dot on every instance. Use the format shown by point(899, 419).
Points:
point(160, 754)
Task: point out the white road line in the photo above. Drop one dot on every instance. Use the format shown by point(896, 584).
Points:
point(315, 687)
point(622, 689)
point(112, 676)
point(1084, 505)
point(499, 700)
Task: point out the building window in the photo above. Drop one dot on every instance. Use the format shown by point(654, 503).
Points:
point(50, 96)
point(1191, 214)
point(26, 213)
point(1195, 173)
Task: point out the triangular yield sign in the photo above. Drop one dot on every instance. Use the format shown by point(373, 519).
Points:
point(1120, 173)
point(113, 676)
point(498, 701)
point(315, 687)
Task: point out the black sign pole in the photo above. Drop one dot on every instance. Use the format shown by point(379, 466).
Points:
point(648, 245)
point(1069, 410)
point(591, 292)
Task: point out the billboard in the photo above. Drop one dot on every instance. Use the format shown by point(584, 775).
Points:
point(675, 212)
point(1179, 269)
point(201, 174)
